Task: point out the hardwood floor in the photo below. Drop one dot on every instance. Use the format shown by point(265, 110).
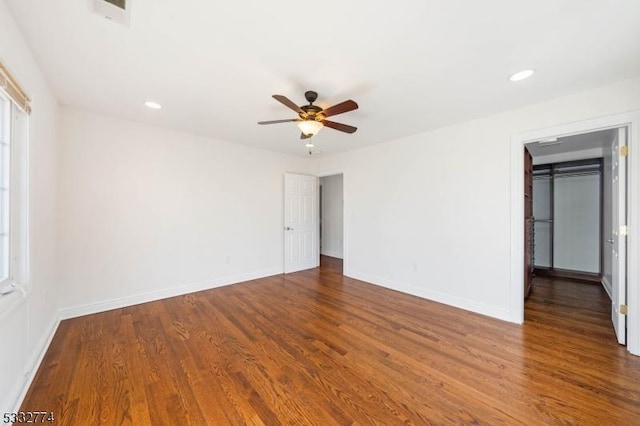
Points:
point(315, 347)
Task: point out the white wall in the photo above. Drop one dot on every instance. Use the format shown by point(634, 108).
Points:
point(26, 327)
point(332, 216)
point(442, 228)
point(576, 231)
point(147, 212)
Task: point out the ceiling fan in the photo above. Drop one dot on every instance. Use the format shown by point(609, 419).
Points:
point(312, 118)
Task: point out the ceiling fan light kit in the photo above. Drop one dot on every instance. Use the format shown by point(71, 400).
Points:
point(309, 127)
point(312, 118)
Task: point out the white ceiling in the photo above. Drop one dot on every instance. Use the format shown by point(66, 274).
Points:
point(411, 65)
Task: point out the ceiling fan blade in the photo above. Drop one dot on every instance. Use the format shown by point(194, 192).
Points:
point(287, 102)
point(339, 126)
point(279, 121)
point(303, 136)
point(340, 108)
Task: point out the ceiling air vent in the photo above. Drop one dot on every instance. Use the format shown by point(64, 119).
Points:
point(114, 10)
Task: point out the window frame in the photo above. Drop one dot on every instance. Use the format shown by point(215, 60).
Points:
point(17, 187)
point(6, 137)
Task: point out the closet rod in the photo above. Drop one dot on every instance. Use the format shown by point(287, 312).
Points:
point(561, 175)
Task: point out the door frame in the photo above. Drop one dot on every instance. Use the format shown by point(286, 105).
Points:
point(632, 122)
point(345, 243)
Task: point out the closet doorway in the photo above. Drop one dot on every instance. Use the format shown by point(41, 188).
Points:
point(580, 213)
point(567, 211)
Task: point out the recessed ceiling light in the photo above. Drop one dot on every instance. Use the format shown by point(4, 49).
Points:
point(153, 105)
point(521, 75)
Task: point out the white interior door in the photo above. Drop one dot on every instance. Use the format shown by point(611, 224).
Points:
point(301, 225)
point(619, 239)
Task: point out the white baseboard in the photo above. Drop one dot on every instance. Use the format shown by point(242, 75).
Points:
point(107, 305)
point(607, 286)
point(14, 401)
point(447, 299)
point(34, 363)
point(332, 254)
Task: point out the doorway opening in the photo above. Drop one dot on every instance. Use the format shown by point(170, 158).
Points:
point(569, 219)
point(331, 214)
point(629, 120)
point(573, 229)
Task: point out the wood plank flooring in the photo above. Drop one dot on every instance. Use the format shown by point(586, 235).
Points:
point(315, 347)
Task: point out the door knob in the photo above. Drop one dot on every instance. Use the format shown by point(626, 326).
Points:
point(610, 241)
point(288, 228)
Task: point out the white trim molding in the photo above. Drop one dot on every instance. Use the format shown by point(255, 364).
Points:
point(36, 360)
point(136, 299)
point(14, 400)
point(607, 286)
point(630, 120)
point(434, 296)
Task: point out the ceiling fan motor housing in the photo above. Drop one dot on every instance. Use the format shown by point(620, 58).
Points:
point(310, 111)
point(311, 96)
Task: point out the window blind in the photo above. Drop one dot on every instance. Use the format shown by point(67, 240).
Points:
point(13, 90)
